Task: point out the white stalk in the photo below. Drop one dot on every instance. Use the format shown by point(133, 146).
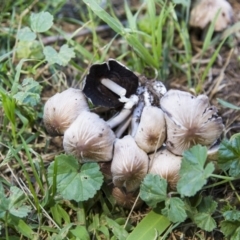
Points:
point(124, 113)
point(122, 127)
point(136, 116)
point(122, 116)
point(114, 87)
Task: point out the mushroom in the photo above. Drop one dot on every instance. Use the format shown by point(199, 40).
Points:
point(89, 138)
point(204, 12)
point(106, 82)
point(129, 164)
point(126, 199)
point(190, 120)
point(151, 132)
point(62, 109)
point(105, 168)
point(149, 93)
point(166, 165)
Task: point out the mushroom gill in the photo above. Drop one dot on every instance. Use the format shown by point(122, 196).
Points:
point(129, 164)
point(190, 120)
point(89, 139)
point(62, 109)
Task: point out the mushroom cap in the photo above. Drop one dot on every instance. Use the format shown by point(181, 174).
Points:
point(205, 10)
point(89, 138)
point(151, 131)
point(115, 71)
point(62, 109)
point(105, 168)
point(190, 121)
point(129, 164)
point(126, 199)
point(166, 165)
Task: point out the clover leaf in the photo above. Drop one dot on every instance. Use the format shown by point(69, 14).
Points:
point(25, 34)
point(29, 92)
point(153, 190)
point(14, 204)
point(62, 58)
point(75, 182)
point(193, 172)
point(41, 22)
point(229, 156)
point(174, 210)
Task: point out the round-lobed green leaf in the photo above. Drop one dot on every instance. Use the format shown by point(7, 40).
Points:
point(73, 181)
point(41, 22)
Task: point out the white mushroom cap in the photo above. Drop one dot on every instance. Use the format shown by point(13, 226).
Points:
point(205, 10)
point(129, 164)
point(151, 132)
point(89, 138)
point(190, 121)
point(62, 109)
point(166, 165)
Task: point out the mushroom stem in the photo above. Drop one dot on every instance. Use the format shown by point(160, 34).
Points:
point(136, 116)
point(122, 127)
point(116, 120)
point(124, 113)
point(114, 87)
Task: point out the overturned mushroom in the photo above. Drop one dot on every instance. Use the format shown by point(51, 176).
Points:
point(129, 164)
point(151, 132)
point(126, 199)
point(190, 120)
point(62, 109)
point(204, 12)
point(89, 139)
point(110, 84)
point(166, 165)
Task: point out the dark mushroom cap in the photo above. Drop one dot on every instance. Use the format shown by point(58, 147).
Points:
point(118, 73)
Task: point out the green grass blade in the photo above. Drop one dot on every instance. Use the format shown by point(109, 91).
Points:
point(227, 104)
point(212, 60)
point(151, 226)
point(207, 40)
point(101, 13)
point(35, 173)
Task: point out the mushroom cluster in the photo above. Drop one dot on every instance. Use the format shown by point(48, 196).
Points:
point(148, 132)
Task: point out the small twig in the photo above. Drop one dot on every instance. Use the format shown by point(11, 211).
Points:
point(83, 32)
point(221, 75)
point(130, 213)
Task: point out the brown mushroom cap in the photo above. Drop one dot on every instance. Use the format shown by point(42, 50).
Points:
point(166, 165)
point(129, 164)
point(190, 120)
point(126, 199)
point(62, 109)
point(99, 94)
point(89, 138)
point(204, 12)
point(151, 132)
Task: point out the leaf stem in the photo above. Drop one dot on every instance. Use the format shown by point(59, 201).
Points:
point(216, 184)
point(234, 189)
point(81, 214)
point(6, 226)
point(223, 177)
